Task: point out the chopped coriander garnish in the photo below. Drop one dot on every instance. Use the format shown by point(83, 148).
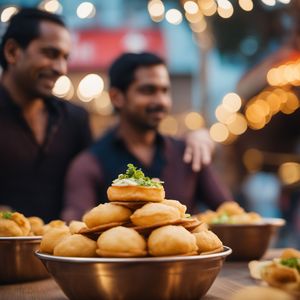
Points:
point(6, 214)
point(138, 176)
point(292, 262)
point(224, 218)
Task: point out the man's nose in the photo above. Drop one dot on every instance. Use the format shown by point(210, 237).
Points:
point(162, 98)
point(60, 66)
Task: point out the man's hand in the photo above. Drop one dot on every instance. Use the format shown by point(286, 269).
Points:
point(199, 149)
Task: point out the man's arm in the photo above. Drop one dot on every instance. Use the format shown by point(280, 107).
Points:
point(81, 183)
point(199, 149)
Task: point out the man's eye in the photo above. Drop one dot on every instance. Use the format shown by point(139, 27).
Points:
point(147, 90)
point(51, 53)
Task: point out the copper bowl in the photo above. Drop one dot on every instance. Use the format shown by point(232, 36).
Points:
point(17, 260)
point(159, 278)
point(248, 241)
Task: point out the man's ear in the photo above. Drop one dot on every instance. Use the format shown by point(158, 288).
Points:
point(11, 51)
point(117, 98)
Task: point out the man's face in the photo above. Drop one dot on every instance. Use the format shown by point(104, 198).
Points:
point(148, 99)
point(44, 60)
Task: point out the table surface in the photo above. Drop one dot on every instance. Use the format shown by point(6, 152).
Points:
point(233, 276)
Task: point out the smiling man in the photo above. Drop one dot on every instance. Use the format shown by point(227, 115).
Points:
point(140, 93)
point(39, 134)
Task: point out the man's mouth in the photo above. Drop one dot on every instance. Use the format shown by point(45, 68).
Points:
point(156, 110)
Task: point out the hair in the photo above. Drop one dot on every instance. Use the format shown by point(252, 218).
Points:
point(24, 27)
point(122, 70)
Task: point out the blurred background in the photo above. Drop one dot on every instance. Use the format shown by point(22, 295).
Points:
point(235, 69)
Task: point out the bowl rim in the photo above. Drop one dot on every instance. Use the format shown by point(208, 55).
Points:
point(276, 222)
point(20, 238)
point(226, 251)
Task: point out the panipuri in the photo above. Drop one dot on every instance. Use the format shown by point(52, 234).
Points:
point(135, 193)
point(230, 208)
point(76, 226)
point(172, 240)
point(207, 241)
point(176, 204)
point(106, 213)
point(154, 213)
point(76, 245)
point(121, 242)
point(37, 225)
point(14, 224)
point(52, 237)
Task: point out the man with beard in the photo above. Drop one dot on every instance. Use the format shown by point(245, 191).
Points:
point(39, 134)
point(140, 93)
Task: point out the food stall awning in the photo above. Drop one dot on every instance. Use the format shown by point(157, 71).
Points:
point(97, 48)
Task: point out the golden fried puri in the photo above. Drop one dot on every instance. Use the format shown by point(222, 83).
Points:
point(121, 242)
point(230, 208)
point(37, 225)
point(106, 213)
point(9, 228)
point(207, 241)
point(154, 213)
point(290, 253)
point(176, 204)
point(135, 193)
point(278, 275)
point(201, 227)
point(55, 224)
point(76, 245)
point(172, 240)
point(52, 237)
point(76, 226)
point(207, 216)
point(15, 224)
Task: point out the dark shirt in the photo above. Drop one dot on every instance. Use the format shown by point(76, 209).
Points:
point(32, 174)
point(92, 173)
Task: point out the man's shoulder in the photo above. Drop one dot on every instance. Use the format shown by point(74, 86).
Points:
point(104, 142)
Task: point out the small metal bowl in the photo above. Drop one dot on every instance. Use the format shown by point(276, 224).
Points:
point(17, 260)
point(163, 278)
point(248, 241)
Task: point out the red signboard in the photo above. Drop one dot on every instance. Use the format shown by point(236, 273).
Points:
point(97, 48)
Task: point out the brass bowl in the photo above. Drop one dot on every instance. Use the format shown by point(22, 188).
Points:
point(17, 260)
point(248, 241)
point(163, 278)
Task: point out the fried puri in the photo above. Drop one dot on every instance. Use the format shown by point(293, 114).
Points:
point(230, 208)
point(172, 240)
point(278, 275)
point(245, 218)
point(154, 213)
point(76, 245)
point(52, 237)
point(121, 242)
point(207, 216)
point(14, 224)
point(55, 224)
point(201, 227)
point(37, 225)
point(207, 241)
point(290, 253)
point(76, 226)
point(135, 193)
point(176, 204)
point(105, 214)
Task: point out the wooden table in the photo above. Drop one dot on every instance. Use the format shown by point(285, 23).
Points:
point(233, 276)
